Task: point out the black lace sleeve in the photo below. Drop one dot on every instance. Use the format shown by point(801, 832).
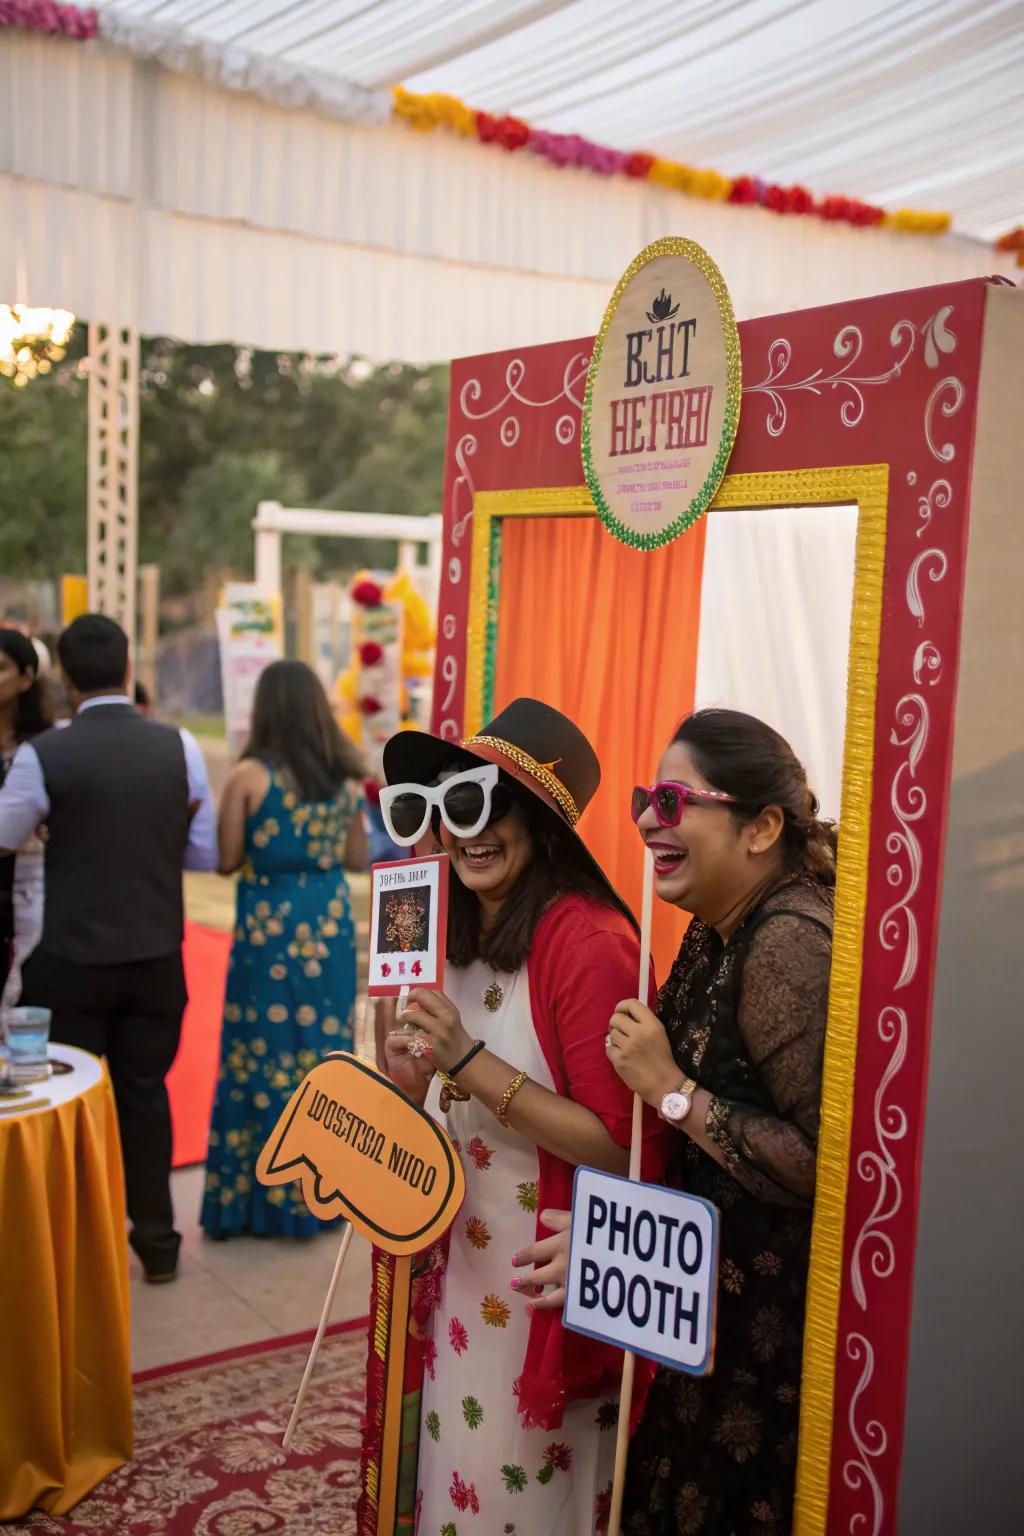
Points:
point(783, 1005)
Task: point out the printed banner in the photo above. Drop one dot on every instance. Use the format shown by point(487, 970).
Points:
point(251, 635)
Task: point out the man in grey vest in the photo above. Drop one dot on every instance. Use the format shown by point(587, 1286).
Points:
point(126, 804)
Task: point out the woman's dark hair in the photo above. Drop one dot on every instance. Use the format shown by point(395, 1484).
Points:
point(744, 757)
point(33, 711)
point(560, 866)
point(294, 730)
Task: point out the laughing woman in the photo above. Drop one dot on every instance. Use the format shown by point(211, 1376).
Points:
point(515, 1413)
point(733, 1065)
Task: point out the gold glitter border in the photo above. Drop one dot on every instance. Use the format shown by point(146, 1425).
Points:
point(697, 256)
point(868, 487)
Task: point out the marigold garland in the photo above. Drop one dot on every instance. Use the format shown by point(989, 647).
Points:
point(512, 133)
point(426, 112)
point(1013, 241)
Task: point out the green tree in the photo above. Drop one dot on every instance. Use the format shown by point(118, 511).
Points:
point(222, 428)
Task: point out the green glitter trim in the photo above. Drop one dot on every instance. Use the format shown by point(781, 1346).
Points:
point(491, 633)
point(670, 246)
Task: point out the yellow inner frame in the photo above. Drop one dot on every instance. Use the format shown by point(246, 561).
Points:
point(868, 487)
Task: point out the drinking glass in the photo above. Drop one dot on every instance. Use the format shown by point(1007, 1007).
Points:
point(28, 1037)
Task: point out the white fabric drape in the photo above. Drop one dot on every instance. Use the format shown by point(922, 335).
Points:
point(776, 599)
point(133, 194)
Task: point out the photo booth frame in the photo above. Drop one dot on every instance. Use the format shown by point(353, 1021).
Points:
point(875, 403)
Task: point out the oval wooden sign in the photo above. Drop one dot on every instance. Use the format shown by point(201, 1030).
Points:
point(366, 1152)
point(663, 395)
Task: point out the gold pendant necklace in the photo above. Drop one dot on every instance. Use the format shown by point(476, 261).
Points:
point(494, 996)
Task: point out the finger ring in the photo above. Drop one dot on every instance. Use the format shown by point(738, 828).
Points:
point(607, 1042)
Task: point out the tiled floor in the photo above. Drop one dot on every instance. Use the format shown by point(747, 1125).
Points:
point(240, 1291)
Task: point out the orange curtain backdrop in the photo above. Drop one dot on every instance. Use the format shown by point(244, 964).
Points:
point(608, 635)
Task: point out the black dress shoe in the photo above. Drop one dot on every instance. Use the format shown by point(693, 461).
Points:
point(160, 1276)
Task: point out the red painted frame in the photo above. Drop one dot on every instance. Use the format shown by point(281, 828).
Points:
point(890, 380)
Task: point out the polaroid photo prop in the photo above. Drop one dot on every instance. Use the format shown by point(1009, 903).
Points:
point(408, 924)
point(643, 1270)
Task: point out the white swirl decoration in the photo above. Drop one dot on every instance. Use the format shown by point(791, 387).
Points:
point(870, 1440)
point(848, 344)
point(932, 563)
point(939, 496)
point(947, 396)
point(878, 1166)
point(462, 486)
point(510, 428)
point(927, 664)
point(909, 802)
point(450, 674)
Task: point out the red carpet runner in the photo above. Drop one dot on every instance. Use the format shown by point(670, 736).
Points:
point(208, 1458)
point(191, 1080)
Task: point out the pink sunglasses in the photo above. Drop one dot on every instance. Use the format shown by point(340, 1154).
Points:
point(669, 800)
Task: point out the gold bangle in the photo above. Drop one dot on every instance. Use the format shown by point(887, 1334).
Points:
point(501, 1109)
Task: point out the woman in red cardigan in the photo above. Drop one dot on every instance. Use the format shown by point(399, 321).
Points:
point(516, 1415)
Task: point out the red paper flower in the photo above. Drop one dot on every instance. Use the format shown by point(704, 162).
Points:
point(744, 190)
point(510, 132)
point(367, 594)
point(638, 166)
point(370, 653)
point(370, 705)
point(788, 199)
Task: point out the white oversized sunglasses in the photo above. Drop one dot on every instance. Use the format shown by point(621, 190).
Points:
point(466, 803)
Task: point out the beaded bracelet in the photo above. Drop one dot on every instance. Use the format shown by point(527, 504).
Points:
point(501, 1109)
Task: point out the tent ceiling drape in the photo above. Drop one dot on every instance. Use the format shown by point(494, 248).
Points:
point(133, 192)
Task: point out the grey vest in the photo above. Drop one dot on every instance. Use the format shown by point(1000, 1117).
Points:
point(118, 829)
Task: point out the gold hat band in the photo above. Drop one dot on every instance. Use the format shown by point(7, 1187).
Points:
point(549, 781)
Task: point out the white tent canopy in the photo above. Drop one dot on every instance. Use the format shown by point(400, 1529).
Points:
point(169, 199)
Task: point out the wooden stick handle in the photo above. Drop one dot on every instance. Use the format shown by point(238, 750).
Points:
point(635, 1149)
point(307, 1374)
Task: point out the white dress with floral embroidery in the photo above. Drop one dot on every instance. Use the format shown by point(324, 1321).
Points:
point(479, 1469)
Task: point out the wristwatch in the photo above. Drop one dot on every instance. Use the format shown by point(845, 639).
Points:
point(675, 1106)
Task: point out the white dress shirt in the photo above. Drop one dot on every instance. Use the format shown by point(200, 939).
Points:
point(25, 805)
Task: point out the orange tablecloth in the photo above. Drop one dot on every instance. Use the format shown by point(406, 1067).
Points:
point(65, 1357)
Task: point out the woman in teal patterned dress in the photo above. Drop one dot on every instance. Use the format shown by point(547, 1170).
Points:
point(291, 820)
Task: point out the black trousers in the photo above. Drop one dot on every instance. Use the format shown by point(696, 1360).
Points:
point(131, 1014)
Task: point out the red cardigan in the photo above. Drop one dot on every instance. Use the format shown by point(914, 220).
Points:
point(583, 962)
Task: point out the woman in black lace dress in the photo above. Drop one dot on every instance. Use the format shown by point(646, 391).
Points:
point(734, 1064)
point(741, 1032)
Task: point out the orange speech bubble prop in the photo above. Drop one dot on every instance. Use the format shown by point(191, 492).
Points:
point(366, 1152)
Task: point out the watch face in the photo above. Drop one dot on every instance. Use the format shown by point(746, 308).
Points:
point(675, 1106)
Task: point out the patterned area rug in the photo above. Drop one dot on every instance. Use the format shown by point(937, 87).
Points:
point(208, 1458)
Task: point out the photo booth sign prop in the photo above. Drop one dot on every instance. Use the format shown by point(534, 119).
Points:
point(366, 1152)
point(643, 1270)
point(408, 924)
point(662, 404)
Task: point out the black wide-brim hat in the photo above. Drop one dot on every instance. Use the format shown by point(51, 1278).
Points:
point(537, 746)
